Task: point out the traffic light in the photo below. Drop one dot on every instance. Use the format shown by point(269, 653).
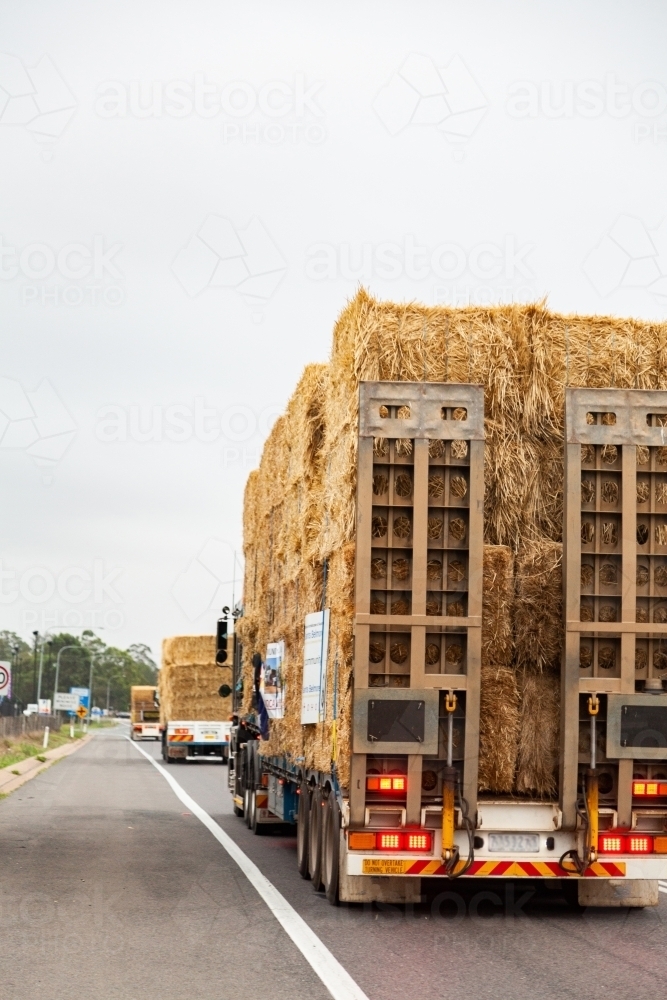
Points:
point(221, 643)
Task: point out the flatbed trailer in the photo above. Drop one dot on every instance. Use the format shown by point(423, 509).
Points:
point(412, 808)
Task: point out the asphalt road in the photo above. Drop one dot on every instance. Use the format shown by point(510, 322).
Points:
point(109, 887)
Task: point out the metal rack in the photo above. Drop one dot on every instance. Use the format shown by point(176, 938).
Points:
point(418, 601)
point(615, 548)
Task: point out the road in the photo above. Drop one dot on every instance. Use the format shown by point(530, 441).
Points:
point(111, 887)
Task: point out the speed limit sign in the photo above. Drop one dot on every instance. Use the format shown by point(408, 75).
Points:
point(5, 678)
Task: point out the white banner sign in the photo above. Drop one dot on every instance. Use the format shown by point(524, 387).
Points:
point(272, 681)
point(66, 702)
point(5, 679)
point(315, 649)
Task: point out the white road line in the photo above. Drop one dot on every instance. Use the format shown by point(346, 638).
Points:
point(339, 983)
point(662, 888)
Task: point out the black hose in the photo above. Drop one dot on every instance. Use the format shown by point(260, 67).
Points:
point(580, 864)
point(450, 865)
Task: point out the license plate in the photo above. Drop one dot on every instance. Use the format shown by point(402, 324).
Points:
point(385, 866)
point(514, 843)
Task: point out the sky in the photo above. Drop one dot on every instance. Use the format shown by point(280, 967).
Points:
point(190, 193)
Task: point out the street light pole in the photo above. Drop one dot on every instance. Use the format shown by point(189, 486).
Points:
point(90, 685)
point(41, 667)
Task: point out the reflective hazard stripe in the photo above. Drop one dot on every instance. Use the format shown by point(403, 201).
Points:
point(519, 869)
point(180, 739)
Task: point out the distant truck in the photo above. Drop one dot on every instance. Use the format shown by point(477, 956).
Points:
point(144, 713)
point(187, 739)
point(194, 707)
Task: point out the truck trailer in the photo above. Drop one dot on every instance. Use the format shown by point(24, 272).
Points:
point(193, 705)
point(466, 581)
point(144, 713)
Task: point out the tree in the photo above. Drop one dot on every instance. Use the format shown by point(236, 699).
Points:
point(115, 670)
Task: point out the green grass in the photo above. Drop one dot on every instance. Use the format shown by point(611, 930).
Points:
point(13, 751)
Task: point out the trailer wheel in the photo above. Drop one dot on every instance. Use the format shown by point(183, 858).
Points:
point(315, 840)
point(246, 807)
point(255, 825)
point(331, 848)
point(302, 820)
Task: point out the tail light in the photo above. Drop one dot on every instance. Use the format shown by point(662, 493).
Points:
point(361, 841)
point(660, 845)
point(611, 843)
point(649, 788)
point(386, 783)
point(639, 843)
point(391, 840)
point(417, 841)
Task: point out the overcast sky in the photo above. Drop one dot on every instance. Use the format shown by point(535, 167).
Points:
point(191, 192)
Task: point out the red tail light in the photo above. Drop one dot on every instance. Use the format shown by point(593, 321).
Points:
point(611, 843)
point(649, 788)
point(639, 843)
point(389, 841)
point(386, 783)
point(417, 841)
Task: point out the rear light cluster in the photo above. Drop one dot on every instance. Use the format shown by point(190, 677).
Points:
point(631, 843)
point(386, 783)
point(649, 788)
point(391, 840)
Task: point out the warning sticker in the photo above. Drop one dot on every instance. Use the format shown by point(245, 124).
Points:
point(385, 866)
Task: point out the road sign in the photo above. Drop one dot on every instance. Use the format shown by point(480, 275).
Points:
point(82, 694)
point(66, 702)
point(45, 706)
point(5, 678)
point(82, 712)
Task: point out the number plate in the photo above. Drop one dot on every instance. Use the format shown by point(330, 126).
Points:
point(514, 843)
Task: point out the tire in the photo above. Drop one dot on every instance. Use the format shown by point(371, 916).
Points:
point(315, 840)
point(255, 826)
point(331, 848)
point(246, 806)
point(302, 828)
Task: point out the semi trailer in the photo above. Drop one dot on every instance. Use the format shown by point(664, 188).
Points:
point(389, 777)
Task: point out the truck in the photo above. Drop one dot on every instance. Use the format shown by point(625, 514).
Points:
point(194, 701)
point(468, 586)
point(144, 713)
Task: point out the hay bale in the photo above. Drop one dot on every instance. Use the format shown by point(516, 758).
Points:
point(538, 609)
point(499, 730)
point(189, 680)
point(537, 763)
point(497, 605)
point(300, 505)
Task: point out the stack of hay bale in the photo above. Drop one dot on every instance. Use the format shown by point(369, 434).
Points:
point(190, 679)
point(300, 509)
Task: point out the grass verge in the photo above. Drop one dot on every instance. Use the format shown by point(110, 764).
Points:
point(14, 750)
